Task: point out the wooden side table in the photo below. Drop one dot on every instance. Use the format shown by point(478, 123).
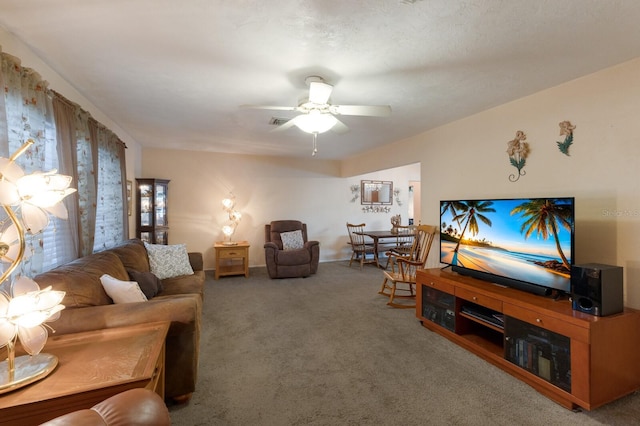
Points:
point(232, 259)
point(92, 366)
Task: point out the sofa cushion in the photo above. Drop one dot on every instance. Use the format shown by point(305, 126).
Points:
point(168, 261)
point(122, 291)
point(148, 282)
point(133, 255)
point(80, 279)
point(185, 284)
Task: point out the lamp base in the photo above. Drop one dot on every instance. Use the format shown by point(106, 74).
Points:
point(28, 369)
point(229, 243)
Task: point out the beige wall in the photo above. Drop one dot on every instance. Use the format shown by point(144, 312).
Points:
point(467, 159)
point(266, 189)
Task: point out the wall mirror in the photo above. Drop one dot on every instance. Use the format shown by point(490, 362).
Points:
point(376, 192)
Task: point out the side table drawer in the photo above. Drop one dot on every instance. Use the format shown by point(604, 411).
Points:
point(232, 253)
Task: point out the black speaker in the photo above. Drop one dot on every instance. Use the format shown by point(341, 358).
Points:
point(597, 289)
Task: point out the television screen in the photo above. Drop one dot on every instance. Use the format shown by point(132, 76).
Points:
point(525, 243)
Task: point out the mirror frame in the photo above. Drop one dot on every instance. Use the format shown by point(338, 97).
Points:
point(384, 192)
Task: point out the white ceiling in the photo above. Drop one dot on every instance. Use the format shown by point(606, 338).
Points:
point(172, 74)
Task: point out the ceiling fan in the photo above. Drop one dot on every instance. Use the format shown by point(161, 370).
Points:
point(318, 115)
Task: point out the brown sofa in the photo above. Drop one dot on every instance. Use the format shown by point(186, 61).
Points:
point(88, 307)
point(139, 407)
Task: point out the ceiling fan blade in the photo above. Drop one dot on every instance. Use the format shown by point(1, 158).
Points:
point(339, 127)
point(286, 125)
point(280, 108)
point(364, 110)
point(319, 92)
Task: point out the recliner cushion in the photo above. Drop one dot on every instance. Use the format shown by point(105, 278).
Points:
point(293, 257)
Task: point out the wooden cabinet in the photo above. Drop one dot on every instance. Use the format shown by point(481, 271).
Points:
point(576, 359)
point(232, 259)
point(152, 225)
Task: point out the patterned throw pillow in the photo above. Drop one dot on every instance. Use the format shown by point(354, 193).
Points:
point(292, 240)
point(168, 261)
point(122, 291)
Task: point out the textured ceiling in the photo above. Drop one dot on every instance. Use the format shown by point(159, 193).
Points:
point(173, 73)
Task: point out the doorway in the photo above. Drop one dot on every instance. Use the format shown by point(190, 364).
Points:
point(414, 202)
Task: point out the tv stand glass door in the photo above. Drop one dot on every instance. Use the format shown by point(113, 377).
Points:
point(541, 352)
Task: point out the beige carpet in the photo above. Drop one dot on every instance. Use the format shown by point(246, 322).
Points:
point(326, 350)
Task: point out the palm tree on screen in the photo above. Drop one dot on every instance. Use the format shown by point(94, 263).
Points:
point(543, 217)
point(452, 207)
point(471, 212)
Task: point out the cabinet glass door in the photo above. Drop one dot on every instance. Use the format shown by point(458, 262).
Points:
point(161, 205)
point(146, 203)
point(438, 307)
point(541, 352)
point(146, 237)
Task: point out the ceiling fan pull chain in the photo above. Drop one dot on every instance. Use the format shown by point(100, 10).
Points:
point(315, 144)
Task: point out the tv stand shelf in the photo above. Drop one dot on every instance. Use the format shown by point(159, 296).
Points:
point(573, 358)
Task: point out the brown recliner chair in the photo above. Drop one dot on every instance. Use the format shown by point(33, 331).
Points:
point(133, 407)
point(288, 253)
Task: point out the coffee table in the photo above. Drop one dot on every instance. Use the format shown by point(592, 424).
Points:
point(92, 366)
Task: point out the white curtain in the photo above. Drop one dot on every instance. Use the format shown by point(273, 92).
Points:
point(28, 112)
point(68, 139)
point(111, 219)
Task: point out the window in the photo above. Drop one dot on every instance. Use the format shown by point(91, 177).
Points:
point(97, 213)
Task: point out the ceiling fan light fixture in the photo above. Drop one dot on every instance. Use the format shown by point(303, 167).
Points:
point(315, 122)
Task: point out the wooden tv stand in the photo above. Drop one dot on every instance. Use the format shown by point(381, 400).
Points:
point(573, 358)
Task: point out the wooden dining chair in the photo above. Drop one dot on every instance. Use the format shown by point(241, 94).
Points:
point(362, 250)
point(402, 276)
point(403, 243)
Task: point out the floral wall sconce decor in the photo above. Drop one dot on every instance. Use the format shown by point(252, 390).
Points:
point(355, 193)
point(518, 150)
point(566, 130)
point(376, 209)
point(396, 194)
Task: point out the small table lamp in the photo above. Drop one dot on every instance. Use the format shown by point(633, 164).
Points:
point(228, 205)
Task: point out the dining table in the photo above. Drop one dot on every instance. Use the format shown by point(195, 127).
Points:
point(378, 238)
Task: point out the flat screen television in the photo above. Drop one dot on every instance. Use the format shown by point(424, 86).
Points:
point(526, 243)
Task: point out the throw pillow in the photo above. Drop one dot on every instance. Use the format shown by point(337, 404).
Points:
point(168, 261)
point(149, 283)
point(292, 240)
point(122, 291)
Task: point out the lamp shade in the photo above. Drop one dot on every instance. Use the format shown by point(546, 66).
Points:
point(315, 122)
point(228, 202)
point(228, 230)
